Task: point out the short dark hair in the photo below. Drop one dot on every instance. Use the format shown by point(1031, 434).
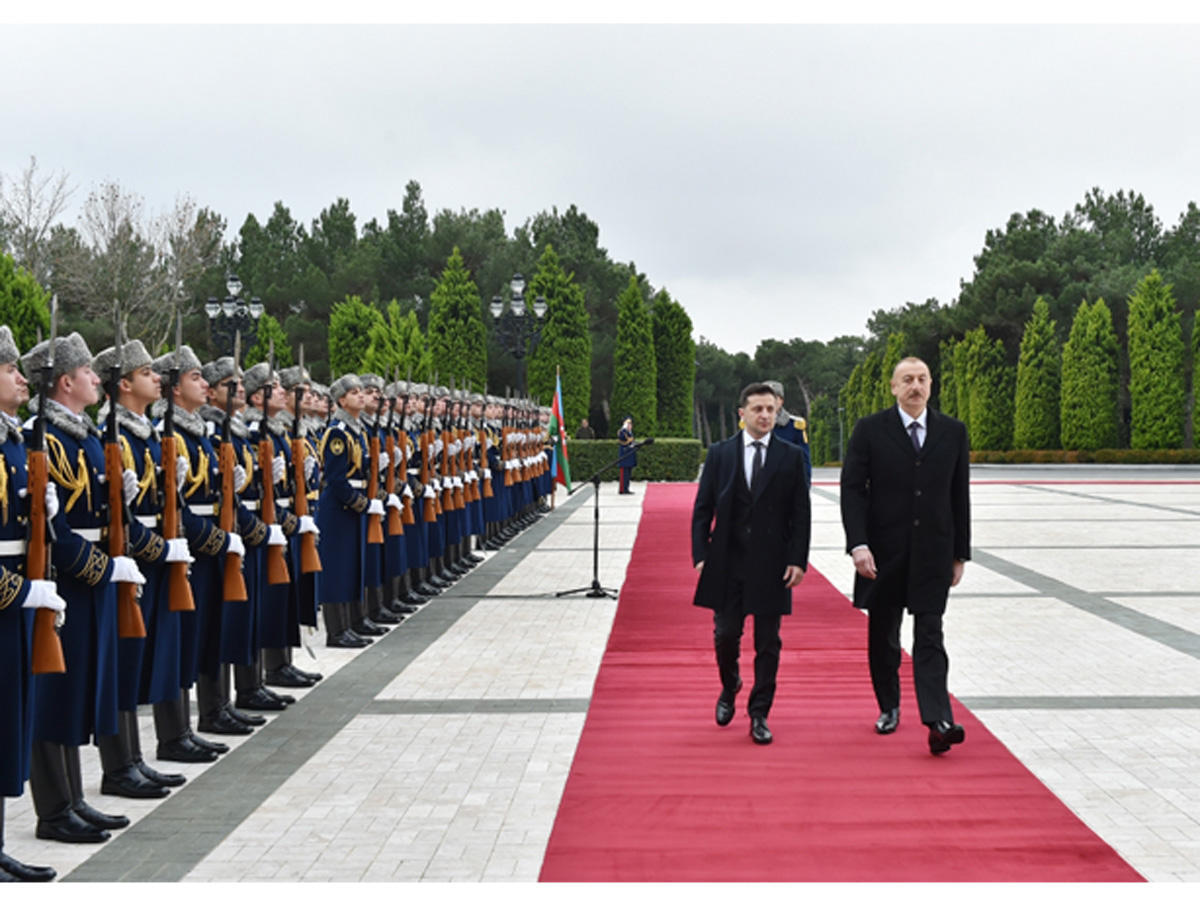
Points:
point(757, 387)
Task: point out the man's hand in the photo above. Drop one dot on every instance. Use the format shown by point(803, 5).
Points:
point(792, 576)
point(956, 573)
point(864, 562)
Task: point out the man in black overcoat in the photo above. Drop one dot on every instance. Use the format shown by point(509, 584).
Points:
point(907, 517)
point(755, 553)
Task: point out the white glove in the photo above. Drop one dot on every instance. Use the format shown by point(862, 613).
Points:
point(177, 551)
point(181, 470)
point(278, 467)
point(51, 500)
point(44, 595)
point(487, 473)
point(457, 482)
point(437, 446)
point(394, 502)
point(239, 478)
point(235, 544)
point(275, 536)
point(129, 485)
point(408, 491)
point(308, 525)
point(428, 495)
point(437, 484)
point(397, 457)
point(375, 508)
point(125, 569)
point(310, 466)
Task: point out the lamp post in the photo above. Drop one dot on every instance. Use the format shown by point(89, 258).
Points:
point(517, 332)
point(232, 315)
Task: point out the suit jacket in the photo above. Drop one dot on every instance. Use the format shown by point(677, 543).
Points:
point(912, 509)
point(779, 523)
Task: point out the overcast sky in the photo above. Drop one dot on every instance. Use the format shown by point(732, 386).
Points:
point(779, 181)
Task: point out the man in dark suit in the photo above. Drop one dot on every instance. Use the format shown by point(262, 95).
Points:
point(906, 513)
point(755, 553)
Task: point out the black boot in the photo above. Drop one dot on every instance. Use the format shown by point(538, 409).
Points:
point(248, 687)
point(82, 808)
point(173, 731)
point(50, 784)
point(15, 870)
point(135, 751)
point(122, 777)
point(214, 716)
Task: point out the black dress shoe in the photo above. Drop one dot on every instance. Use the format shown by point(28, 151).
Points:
point(259, 699)
point(70, 829)
point(205, 744)
point(943, 735)
point(286, 676)
point(130, 782)
point(759, 730)
point(19, 871)
point(725, 705)
point(887, 722)
point(368, 628)
point(347, 640)
point(311, 676)
point(385, 616)
point(183, 750)
point(427, 590)
point(401, 608)
point(437, 583)
point(223, 723)
point(254, 720)
point(164, 778)
point(94, 817)
point(285, 699)
point(475, 558)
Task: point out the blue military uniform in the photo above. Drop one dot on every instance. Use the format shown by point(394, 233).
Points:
point(795, 431)
point(626, 456)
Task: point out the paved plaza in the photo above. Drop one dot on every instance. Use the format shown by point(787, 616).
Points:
point(440, 752)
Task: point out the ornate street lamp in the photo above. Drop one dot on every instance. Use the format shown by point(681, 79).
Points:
point(518, 333)
point(232, 315)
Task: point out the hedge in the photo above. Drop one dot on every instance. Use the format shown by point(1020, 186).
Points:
point(667, 459)
point(1175, 456)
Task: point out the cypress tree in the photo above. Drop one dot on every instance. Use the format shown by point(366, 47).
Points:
point(675, 360)
point(1039, 384)
point(948, 395)
point(1089, 411)
point(962, 387)
point(268, 329)
point(24, 304)
point(867, 401)
point(350, 325)
point(990, 381)
point(635, 377)
point(1156, 390)
point(457, 340)
point(566, 341)
point(383, 354)
point(893, 352)
point(413, 352)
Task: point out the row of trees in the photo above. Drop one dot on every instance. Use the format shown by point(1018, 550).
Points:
point(410, 290)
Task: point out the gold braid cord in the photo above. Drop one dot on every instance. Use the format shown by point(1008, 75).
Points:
point(10, 587)
point(76, 482)
point(3, 491)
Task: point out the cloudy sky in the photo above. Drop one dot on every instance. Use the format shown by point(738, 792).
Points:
point(779, 181)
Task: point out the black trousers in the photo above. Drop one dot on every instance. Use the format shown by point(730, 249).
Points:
point(727, 638)
point(930, 662)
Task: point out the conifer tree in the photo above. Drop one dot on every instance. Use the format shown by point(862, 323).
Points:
point(413, 350)
point(962, 387)
point(457, 340)
point(1039, 384)
point(1156, 390)
point(269, 329)
point(893, 352)
point(1088, 410)
point(991, 386)
point(566, 341)
point(24, 304)
point(675, 359)
point(635, 375)
point(350, 324)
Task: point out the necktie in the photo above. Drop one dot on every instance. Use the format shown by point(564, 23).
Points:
point(756, 465)
point(913, 431)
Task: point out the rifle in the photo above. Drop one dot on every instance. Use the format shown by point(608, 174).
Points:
point(505, 445)
point(129, 615)
point(374, 520)
point(450, 464)
point(310, 559)
point(47, 645)
point(234, 588)
point(395, 524)
point(431, 503)
point(484, 463)
point(179, 591)
point(406, 516)
point(277, 569)
point(466, 459)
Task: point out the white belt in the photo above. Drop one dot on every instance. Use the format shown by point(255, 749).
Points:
point(359, 483)
point(148, 521)
point(12, 548)
point(285, 502)
point(252, 505)
point(88, 534)
point(204, 509)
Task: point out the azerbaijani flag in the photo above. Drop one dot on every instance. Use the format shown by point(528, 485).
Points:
point(560, 466)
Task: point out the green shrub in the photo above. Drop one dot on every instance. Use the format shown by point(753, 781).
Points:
point(667, 459)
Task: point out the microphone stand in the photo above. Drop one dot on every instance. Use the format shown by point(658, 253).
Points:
point(594, 589)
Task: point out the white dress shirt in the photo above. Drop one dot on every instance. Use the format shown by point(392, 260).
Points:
point(748, 452)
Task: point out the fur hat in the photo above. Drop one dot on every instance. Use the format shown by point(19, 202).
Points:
point(219, 369)
point(346, 383)
point(776, 387)
point(133, 357)
point(257, 377)
point(293, 376)
point(8, 347)
point(182, 359)
point(70, 353)
point(371, 380)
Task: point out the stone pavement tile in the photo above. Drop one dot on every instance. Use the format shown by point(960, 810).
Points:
point(1110, 569)
point(1183, 612)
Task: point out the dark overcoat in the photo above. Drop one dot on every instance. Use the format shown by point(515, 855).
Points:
point(341, 517)
point(779, 523)
point(912, 509)
point(16, 623)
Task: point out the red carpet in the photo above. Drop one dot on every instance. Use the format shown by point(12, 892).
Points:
point(657, 792)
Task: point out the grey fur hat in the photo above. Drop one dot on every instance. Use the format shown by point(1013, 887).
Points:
point(293, 376)
point(775, 386)
point(133, 357)
point(321, 390)
point(183, 359)
point(8, 347)
point(396, 389)
point(70, 353)
point(371, 380)
point(257, 377)
point(440, 391)
point(346, 383)
point(219, 369)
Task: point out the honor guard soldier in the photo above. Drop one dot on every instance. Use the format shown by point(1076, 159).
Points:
point(80, 704)
point(148, 668)
point(792, 429)
point(373, 616)
point(21, 593)
point(417, 535)
point(492, 470)
point(213, 548)
point(395, 547)
point(343, 514)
